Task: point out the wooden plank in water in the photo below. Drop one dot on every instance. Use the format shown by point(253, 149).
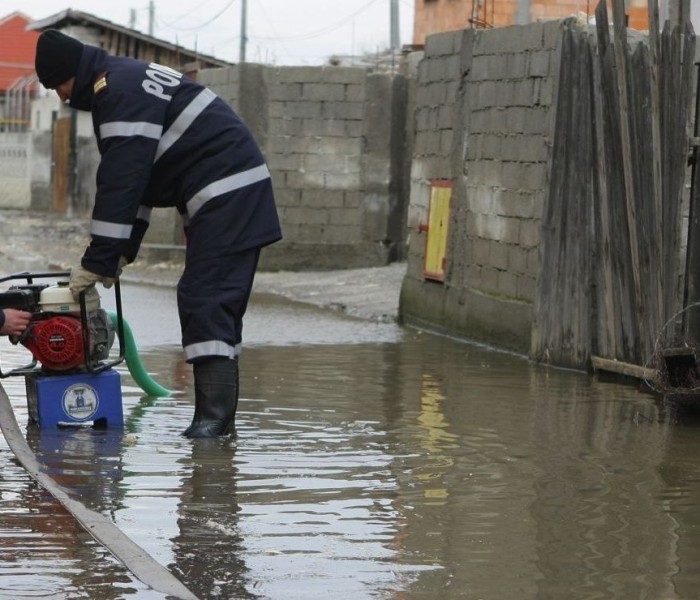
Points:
point(622, 368)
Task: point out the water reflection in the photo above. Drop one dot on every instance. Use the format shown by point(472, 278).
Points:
point(377, 463)
point(208, 523)
point(44, 553)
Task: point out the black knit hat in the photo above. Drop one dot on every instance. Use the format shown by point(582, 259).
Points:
point(57, 58)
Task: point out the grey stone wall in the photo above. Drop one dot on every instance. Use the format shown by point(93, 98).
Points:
point(483, 117)
point(334, 138)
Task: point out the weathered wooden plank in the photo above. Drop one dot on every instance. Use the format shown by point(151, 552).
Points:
point(623, 323)
point(659, 237)
point(620, 47)
point(674, 227)
point(548, 335)
point(599, 363)
point(581, 184)
point(673, 186)
point(562, 334)
point(606, 326)
point(691, 315)
point(646, 209)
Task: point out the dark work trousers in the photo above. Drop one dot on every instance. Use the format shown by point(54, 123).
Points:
point(212, 297)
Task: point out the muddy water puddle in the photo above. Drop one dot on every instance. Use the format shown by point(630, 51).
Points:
point(370, 461)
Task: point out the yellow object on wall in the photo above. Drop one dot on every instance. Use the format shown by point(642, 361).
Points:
point(438, 221)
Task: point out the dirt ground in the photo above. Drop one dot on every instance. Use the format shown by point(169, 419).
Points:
point(42, 241)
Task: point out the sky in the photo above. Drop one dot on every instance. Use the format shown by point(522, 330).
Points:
point(281, 32)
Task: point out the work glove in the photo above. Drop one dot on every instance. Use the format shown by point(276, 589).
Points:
point(81, 279)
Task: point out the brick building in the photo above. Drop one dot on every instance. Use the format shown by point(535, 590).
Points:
point(16, 70)
point(435, 16)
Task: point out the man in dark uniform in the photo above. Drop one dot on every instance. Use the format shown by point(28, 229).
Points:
point(165, 140)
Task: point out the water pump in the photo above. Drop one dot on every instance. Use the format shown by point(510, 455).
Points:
point(57, 337)
point(70, 380)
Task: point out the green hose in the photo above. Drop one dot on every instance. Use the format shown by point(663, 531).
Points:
point(133, 362)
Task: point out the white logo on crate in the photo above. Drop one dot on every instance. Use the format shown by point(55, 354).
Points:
point(80, 401)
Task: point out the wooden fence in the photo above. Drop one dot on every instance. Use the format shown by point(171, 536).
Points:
point(612, 266)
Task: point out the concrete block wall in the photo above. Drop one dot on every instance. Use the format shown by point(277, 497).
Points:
point(506, 157)
point(483, 120)
point(327, 135)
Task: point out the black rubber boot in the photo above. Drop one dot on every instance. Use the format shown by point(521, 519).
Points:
point(215, 397)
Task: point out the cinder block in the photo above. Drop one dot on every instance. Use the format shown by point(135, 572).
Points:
point(298, 74)
point(302, 110)
point(342, 110)
point(344, 216)
point(529, 233)
point(342, 181)
point(321, 92)
point(285, 126)
point(322, 199)
point(539, 63)
point(498, 257)
point(527, 288)
point(517, 260)
point(342, 74)
point(325, 163)
point(285, 162)
point(323, 128)
point(441, 44)
point(508, 284)
point(355, 92)
point(285, 92)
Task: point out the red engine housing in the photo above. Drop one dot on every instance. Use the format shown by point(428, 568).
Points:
point(56, 342)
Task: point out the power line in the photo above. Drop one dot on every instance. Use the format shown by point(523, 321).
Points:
point(312, 34)
point(187, 14)
point(278, 37)
point(201, 25)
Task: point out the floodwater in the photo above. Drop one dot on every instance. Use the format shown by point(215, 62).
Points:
point(370, 462)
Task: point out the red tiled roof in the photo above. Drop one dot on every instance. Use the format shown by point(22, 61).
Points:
point(17, 49)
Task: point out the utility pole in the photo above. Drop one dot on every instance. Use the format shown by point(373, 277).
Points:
point(151, 17)
point(244, 30)
point(394, 20)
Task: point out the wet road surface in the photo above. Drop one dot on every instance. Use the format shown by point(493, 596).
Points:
point(370, 461)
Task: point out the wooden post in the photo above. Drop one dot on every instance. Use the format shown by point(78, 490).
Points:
point(656, 174)
point(691, 317)
point(620, 45)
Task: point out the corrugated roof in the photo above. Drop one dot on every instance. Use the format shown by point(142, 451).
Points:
point(75, 17)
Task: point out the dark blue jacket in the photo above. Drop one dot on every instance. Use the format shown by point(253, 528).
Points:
point(166, 140)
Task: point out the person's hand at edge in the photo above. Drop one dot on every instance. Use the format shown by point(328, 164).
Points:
point(16, 321)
